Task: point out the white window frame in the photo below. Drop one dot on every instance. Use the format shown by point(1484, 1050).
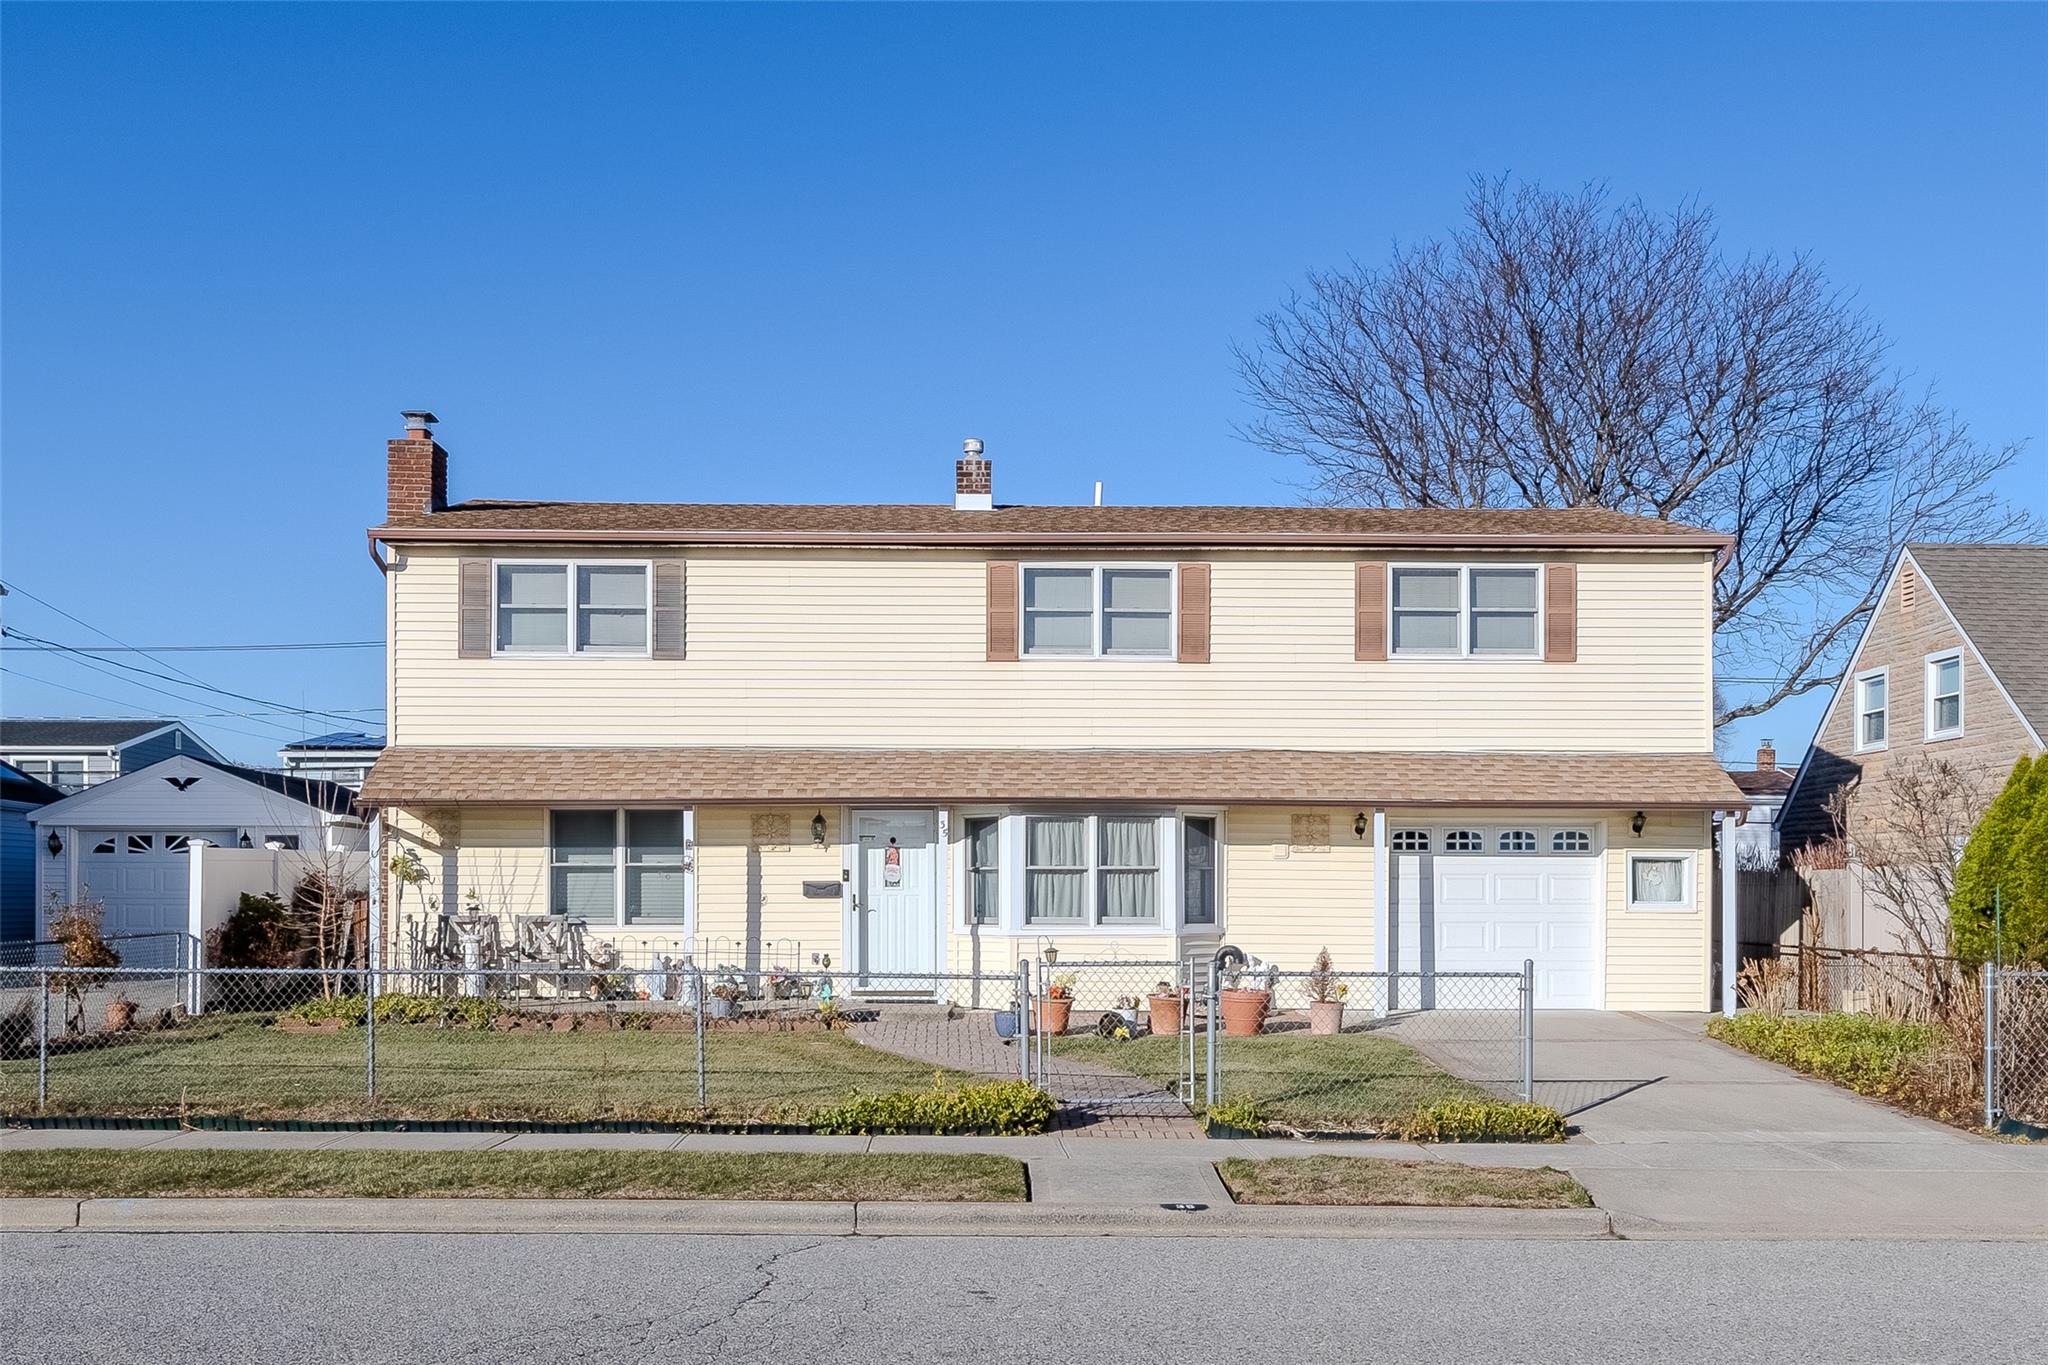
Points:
point(1690, 877)
point(1930, 730)
point(1465, 614)
point(688, 928)
point(569, 568)
point(1858, 710)
point(1098, 610)
point(1012, 890)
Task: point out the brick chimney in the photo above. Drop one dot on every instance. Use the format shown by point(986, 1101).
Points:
point(1766, 758)
point(418, 471)
point(974, 480)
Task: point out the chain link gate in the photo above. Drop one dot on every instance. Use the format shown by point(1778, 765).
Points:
point(2015, 1046)
point(1116, 1036)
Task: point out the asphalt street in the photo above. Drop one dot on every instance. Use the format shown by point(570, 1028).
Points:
point(540, 1299)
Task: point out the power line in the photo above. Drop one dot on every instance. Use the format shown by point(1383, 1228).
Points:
point(101, 696)
point(104, 635)
point(206, 649)
point(96, 665)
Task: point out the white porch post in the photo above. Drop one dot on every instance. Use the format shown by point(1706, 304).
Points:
point(195, 926)
point(1382, 903)
point(376, 904)
point(1730, 918)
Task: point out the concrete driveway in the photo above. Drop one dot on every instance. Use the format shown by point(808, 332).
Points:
point(1679, 1131)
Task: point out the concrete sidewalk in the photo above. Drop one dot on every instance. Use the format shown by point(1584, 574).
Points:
point(1965, 1188)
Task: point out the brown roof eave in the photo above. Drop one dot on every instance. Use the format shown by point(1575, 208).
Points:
point(393, 802)
point(435, 535)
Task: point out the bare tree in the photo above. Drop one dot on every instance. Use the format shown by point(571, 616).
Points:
point(1561, 351)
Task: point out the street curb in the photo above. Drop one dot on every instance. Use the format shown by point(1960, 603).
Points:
point(785, 1218)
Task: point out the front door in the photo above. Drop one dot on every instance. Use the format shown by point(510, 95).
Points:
point(896, 900)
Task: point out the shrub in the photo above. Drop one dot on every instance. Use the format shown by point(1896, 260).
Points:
point(1484, 1121)
point(2006, 861)
point(1243, 1115)
point(261, 933)
point(1862, 1052)
point(466, 1012)
point(1007, 1108)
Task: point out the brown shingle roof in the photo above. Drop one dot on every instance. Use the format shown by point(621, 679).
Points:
point(1999, 594)
point(435, 776)
point(918, 523)
point(1761, 781)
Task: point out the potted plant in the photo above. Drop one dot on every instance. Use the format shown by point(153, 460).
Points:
point(1244, 1007)
point(120, 1014)
point(1051, 1013)
point(724, 1001)
point(1127, 1010)
point(1325, 998)
point(1163, 1007)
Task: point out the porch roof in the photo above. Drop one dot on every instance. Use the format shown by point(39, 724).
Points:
point(408, 776)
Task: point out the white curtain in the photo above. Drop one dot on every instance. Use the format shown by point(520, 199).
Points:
point(1659, 881)
point(1130, 863)
point(1056, 849)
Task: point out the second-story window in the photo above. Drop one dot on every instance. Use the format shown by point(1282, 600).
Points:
point(1871, 709)
point(1087, 611)
point(1459, 610)
point(565, 608)
point(1945, 695)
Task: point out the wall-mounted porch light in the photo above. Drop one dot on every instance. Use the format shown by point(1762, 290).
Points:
point(1358, 825)
point(56, 844)
point(818, 829)
point(244, 841)
point(1635, 826)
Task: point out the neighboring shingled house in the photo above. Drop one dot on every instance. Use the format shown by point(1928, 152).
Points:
point(1953, 664)
point(73, 754)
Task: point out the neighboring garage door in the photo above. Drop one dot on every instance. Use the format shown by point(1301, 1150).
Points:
point(141, 878)
point(1483, 898)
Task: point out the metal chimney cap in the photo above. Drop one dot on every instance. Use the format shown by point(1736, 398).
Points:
point(972, 446)
point(418, 419)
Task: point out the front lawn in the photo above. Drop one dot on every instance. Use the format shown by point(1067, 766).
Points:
point(1347, 1082)
point(1374, 1180)
point(242, 1065)
point(84, 1173)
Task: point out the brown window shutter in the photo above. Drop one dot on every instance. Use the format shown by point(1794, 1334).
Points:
point(1193, 637)
point(473, 607)
point(1372, 609)
point(1002, 610)
point(668, 609)
point(1560, 613)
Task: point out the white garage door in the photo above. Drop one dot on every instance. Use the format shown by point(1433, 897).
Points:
point(1485, 898)
point(141, 878)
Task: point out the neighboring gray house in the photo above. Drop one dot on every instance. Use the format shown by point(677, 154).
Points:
point(74, 754)
point(1755, 837)
point(19, 794)
point(343, 757)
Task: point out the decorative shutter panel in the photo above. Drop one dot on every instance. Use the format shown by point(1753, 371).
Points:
point(1371, 625)
point(1560, 613)
point(668, 609)
point(1002, 610)
point(1192, 637)
point(473, 608)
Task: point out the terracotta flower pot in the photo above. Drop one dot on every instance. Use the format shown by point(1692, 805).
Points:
point(120, 1015)
point(1244, 1012)
point(1165, 1012)
point(1325, 1017)
point(1050, 1015)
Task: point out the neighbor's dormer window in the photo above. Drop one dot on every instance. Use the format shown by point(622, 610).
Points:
point(1945, 695)
point(569, 608)
point(1089, 611)
point(1458, 610)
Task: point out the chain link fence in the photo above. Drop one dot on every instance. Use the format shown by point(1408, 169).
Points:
point(531, 1045)
point(2015, 1046)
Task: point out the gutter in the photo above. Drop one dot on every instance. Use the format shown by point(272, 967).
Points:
point(435, 535)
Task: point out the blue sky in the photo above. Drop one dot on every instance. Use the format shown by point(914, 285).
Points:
point(783, 253)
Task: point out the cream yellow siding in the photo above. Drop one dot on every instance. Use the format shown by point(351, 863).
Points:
point(1658, 959)
point(751, 909)
point(886, 649)
point(1285, 902)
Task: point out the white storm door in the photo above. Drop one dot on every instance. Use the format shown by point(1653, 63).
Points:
point(896, 900)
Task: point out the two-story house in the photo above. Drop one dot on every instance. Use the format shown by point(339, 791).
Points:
point(72, 755)
point(1952, 665)
point(925, 737)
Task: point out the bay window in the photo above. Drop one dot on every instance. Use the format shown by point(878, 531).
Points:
point(1088, 870)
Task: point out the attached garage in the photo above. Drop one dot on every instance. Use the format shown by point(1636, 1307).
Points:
point(127, 843)
point(1487, 897)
